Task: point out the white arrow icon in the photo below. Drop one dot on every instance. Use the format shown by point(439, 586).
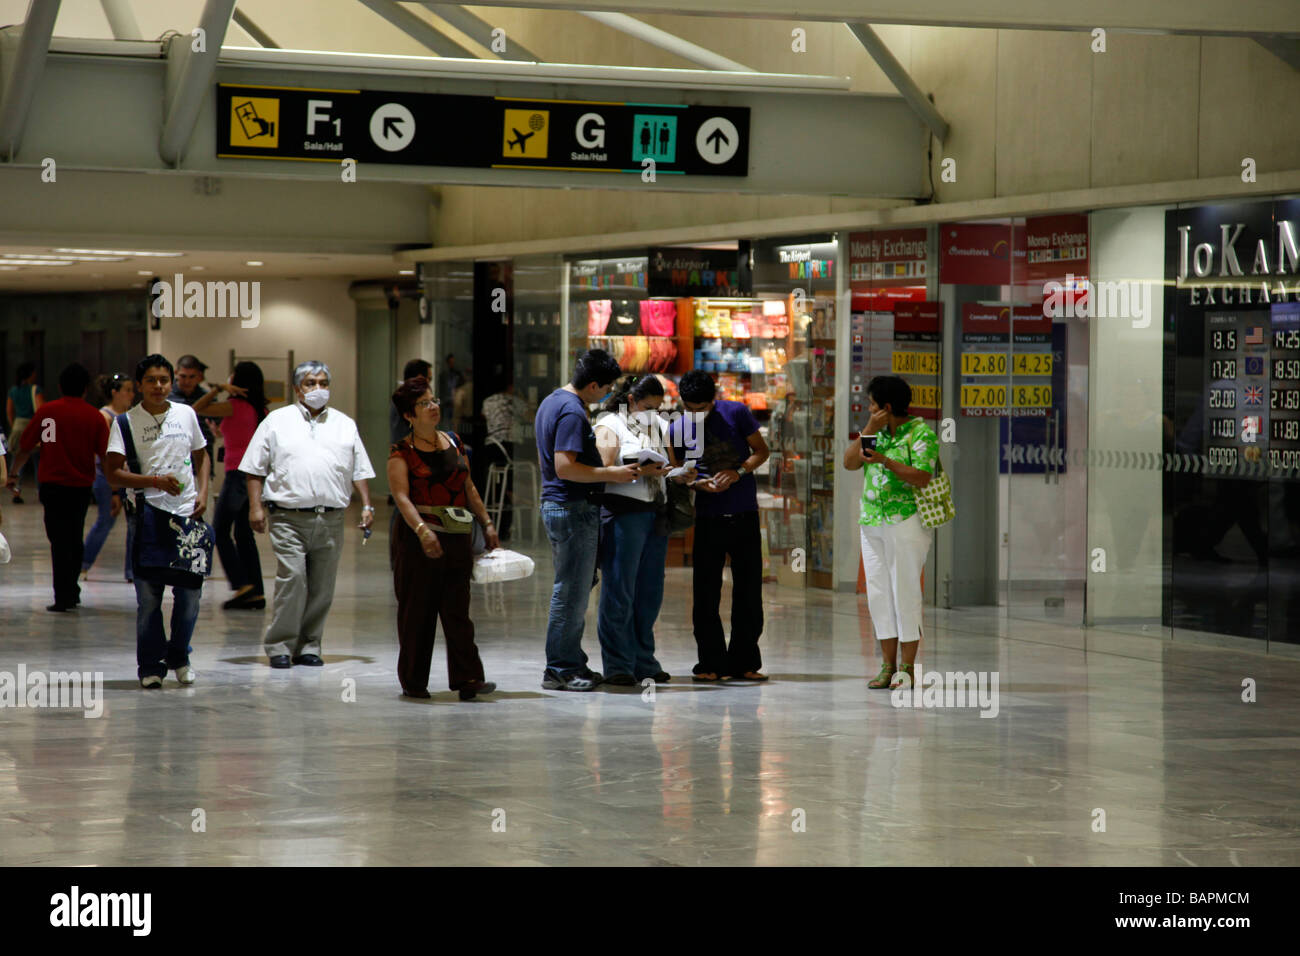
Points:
point(717, 140)
point(392, 127)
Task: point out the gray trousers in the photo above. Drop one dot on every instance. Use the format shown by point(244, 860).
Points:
point(307, 548)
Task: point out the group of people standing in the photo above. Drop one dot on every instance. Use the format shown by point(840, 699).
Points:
point(606, 503)
point(599, 504)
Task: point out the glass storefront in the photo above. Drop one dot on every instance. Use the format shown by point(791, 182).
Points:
point(1117, 395)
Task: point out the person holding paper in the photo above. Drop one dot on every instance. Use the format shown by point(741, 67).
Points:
point(633, 532)
point(723, 439)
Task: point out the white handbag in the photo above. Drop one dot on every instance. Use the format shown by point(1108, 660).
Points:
point(5, 553)
point(501, 565)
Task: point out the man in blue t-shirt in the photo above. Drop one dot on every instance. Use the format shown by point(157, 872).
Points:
point(571, 474)
point(723, 441)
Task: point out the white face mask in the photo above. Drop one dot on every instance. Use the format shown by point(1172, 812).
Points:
point(316, 399)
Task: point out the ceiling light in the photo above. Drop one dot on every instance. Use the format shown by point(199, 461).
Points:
point(37, 257)
point(198, 268)
point(8, 260)
point(253, 262)
point(122, 252)
point(9, 268)
point(144, 272)
point(406, 272)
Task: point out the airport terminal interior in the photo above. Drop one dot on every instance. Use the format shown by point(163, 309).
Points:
point(1070, 233)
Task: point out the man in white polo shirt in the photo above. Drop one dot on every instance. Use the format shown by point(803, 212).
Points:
point(306, 456)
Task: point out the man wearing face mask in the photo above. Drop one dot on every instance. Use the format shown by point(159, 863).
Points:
point(305, 456)
point(723, 440)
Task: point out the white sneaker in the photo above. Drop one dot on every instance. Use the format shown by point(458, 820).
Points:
point(186, 674)
point(152, 681)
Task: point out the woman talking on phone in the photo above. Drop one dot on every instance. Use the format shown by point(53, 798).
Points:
point(899, 451)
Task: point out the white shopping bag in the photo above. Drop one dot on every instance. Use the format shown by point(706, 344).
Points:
point(501, 565)
point(5, 553)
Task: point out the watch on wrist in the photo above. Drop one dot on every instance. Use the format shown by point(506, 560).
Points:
point(741, 471)
point(368, 508)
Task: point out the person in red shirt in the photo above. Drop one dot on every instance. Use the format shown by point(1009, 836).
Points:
point(71, 432)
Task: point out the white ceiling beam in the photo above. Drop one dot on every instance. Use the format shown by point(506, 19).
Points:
point(26, 52)
point(417, 28)
point(121, 19)
point(260, 36)
point(902, 81)
point(674, 44)
point(1239, 18)
point(479, 30)
point(189, 77)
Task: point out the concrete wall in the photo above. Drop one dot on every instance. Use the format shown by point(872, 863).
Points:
point(314, 317)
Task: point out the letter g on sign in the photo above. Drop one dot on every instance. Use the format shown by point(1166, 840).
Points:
point(590, 131)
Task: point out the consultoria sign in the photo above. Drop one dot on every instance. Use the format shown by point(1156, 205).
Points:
point(1239, 255)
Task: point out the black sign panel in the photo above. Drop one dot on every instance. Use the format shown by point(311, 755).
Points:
point(680, 272)
point(486, 132)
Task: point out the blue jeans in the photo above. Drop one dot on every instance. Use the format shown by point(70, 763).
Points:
point(632, 561)
point(155, 655)
point(574, 530)
point(103, 526)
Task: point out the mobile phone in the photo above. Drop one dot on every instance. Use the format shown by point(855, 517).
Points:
point(868, 442)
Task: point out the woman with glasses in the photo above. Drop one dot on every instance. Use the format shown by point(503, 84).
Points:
point(119, 393)
point(428, 475)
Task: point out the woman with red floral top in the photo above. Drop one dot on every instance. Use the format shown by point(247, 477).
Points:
point(428, 475)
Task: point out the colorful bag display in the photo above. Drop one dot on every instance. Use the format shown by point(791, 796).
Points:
point(638, 353)
point(598, 313)
point(658, 317)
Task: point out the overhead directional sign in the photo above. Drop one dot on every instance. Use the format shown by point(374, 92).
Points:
point(428, 129)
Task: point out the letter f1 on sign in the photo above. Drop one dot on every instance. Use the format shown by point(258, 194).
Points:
point(717, 140)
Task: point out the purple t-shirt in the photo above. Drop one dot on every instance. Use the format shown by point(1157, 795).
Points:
point(562, 425)
point(721, 444)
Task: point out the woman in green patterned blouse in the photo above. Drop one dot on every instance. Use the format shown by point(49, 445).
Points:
point(894, 542)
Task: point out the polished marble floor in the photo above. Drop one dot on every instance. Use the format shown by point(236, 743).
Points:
point(331, 766)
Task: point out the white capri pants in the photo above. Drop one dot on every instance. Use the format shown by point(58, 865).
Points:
point(893, 557)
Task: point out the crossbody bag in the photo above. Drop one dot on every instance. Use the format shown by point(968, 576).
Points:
point(176, 549)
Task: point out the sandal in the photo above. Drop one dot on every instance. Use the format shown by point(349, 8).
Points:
point(708, 677)
point(748, 675)
point(904, 670)
point(881, 680)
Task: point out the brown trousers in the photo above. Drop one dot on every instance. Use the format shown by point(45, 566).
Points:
point(428, 589)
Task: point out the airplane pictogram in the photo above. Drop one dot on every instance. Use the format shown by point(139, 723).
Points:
point(519, 140)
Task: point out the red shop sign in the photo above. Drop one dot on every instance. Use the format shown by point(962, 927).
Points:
point(978, 253)
point(1056, 246)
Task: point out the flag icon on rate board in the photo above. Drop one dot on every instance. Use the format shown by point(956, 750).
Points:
point(1255, 335)
point(1254, 395)
point(1254, 364)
